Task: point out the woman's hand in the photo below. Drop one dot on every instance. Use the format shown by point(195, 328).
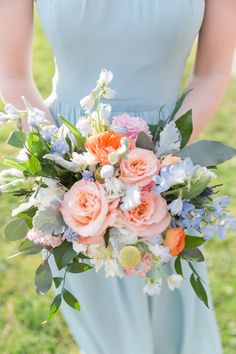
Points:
point(216, 45)
point(16, 32)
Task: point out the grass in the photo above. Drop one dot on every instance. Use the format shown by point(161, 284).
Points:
point(22, 310)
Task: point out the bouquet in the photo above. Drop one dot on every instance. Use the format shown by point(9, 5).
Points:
point(117, 194)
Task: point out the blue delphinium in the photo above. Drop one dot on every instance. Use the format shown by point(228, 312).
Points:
point(48, 131)
point(35, 117)
point(60, 147)
point(191, 216)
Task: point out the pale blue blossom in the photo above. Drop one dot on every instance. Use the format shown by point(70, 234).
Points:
point(60, 147)
point(36, 117)
point(48, 132)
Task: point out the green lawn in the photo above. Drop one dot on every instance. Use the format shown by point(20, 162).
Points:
point(22, 310)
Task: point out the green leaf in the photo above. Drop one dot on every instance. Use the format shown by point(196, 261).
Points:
point(191, 192)
point(57, 281)
point(144, 142)
point(178, 266)
point(199, 289)
point(34, 164)
point(15, 163)
point(77, 267)
point(36, 145)
point(179, 103)
point(194, 241)
point(54, 307)
point(193, 254)
point(16, 230)
point(17, 139)
point(185, 126)
point(208, 153)
point(64, 254)
point(71, 300)
point(79, 139)
point(43, 278)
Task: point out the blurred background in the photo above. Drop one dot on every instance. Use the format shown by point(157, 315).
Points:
point(22, 310)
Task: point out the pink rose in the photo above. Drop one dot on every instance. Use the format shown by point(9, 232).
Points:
point(133, 125)
point(140, 167)
point(150, 218)
point(86, 210)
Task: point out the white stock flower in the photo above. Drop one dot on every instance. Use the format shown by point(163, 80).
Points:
point(113, 269)
point(105, 77)
point(114, 188)
point(153, 287)
point(160, 252)
point(87, 103)
point(174, 281)
point(131, 199)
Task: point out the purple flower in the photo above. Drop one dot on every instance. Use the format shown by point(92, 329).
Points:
point(48, 131)
point(70, 235)
point(35, 117)
point(88, 176)
point(191, 216)
point(60, 147)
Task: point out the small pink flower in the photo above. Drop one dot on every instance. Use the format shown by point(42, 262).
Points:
point(39, 238)
point(133, 125)
point(139, 168)
point(142, 269)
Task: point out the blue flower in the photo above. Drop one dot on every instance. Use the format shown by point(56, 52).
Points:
point(59, 146)
point(35, 117)
point(88, 176)
point(191, 216)
point(48, 131)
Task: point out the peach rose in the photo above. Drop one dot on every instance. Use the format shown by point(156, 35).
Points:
point(102, 145)
point(150, 218)
point(175, 240)
point(140, 167)
point(86, 210)
point(170, 160)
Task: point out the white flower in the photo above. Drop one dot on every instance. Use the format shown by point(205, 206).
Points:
point(114, 188)
point(84, 160)
point(78, 247)
point(153, 287)
point(176, 206)
point(105, 77)
point(87, 103)
point(132, 198)
point(161, 252)
point(83, 126)
point(120, 237)
point(105, 111)
point(109, 93)
point(113, 268)
point(174, 281)
point(107, 171)
point(122, 152)
point(69, 165)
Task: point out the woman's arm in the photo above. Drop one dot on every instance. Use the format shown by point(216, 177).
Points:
point(217, 40)
point(16, 31)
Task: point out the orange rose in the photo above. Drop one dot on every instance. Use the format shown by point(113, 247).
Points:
point(102, 145)
point(175, 240)
point(150, 218)
point(87, 211)
point(139, 168)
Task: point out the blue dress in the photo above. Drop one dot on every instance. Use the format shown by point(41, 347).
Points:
point(145, 44)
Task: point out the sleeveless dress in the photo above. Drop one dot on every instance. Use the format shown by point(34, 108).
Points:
point(145, 44)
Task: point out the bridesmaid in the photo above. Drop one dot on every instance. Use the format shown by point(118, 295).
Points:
point(146, 44)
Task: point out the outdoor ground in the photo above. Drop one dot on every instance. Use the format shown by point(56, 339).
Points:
point(22, 310)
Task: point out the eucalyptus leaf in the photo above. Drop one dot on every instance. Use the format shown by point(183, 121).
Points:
point(64, 254)
point(77, 267)
point(207, 153)
point(144, 142)
point(49, 219)
point(16, 230)
point(43, 278)
point(17, 139)
point(71, 300)
point(193, 254)
point(194, 241)
point(185, 126)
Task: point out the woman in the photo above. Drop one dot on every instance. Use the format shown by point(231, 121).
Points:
point(145, 44)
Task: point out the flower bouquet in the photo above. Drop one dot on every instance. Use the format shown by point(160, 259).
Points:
point(117, 194)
